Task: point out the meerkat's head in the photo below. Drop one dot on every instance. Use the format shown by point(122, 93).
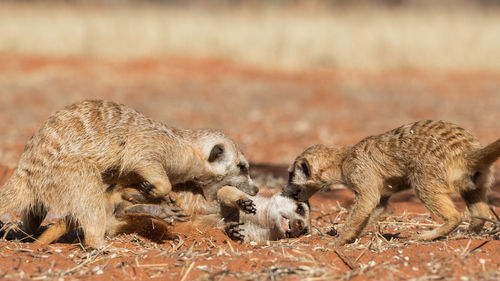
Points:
point(288, 218)
point(317, 167)
point(225, 164)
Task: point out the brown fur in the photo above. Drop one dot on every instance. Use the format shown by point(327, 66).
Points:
point(435, 158)
point(80, 150)
point(126, 216)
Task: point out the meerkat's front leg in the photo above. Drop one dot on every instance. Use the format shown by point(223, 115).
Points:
point(232, 197)
point(159, 184)
point(366, 202)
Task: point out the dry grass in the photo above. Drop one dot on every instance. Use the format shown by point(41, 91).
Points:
point(455, 38)
point(198, 255)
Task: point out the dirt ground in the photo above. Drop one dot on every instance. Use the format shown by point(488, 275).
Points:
point(273, 115)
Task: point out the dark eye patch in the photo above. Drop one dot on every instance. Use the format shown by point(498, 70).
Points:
point(243, 168)
point(300, 209)
point(305, 169)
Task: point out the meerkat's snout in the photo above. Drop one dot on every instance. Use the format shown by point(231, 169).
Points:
point(297, 228)
point(299, 182)
point(252, 188)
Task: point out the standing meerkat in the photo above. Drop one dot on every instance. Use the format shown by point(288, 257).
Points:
point(81, 149)
point(128, 211)
point(435, 158)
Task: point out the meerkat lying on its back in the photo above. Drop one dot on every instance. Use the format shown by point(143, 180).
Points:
point(81, 149)
point(128, 211)
point(434, 158)
point(276, 217)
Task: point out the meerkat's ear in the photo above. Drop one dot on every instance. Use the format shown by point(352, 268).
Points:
point(216, 152)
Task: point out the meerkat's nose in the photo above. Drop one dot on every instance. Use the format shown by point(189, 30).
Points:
point(299, 225)
point(256, 189)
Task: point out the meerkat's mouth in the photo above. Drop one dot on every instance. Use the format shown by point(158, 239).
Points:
point(285, 226)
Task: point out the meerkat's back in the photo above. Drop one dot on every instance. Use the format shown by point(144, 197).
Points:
point(423, 141)
point(63, 164)
point(97, 130)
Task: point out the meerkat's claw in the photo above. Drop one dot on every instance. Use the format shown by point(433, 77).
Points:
point(168, 199)
point(149, 194)
point(332, 231)
point(247, 205)
point(134, 197)
point(233, 230)
point(149, 190)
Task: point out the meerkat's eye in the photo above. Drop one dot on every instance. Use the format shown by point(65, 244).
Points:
point(305, 169)
point(300, 209)
point(243, 168)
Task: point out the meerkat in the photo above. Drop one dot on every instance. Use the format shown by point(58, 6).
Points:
point(81, 149)
point(275, 217)
point(435, 158)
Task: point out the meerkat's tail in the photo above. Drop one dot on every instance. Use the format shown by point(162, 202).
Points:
point(486, 155)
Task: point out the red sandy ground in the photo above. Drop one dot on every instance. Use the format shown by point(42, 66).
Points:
point(273, 115)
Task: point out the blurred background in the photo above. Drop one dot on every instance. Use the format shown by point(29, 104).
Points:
point(277, 76)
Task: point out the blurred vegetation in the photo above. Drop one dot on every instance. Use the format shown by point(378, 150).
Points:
point(288, 3)
point(294, 34)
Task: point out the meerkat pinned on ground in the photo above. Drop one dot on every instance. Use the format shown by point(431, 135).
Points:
point(128, 211)
point(435, 158)
point(276, 217)
point(80, 150)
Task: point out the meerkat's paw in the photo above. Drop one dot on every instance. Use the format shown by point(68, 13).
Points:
point(166, 213)
point(338, 242)
point(234, 231)
point(134, 196)
point(152, 191)
point(426, 236)
point(247, 205)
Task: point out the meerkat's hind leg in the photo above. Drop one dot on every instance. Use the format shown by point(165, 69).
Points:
point(56, 231)
point(87, 202)
point(477, 199)
point(441, 205)
point(166, 213)
point(235, 231)
point(93, 223)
